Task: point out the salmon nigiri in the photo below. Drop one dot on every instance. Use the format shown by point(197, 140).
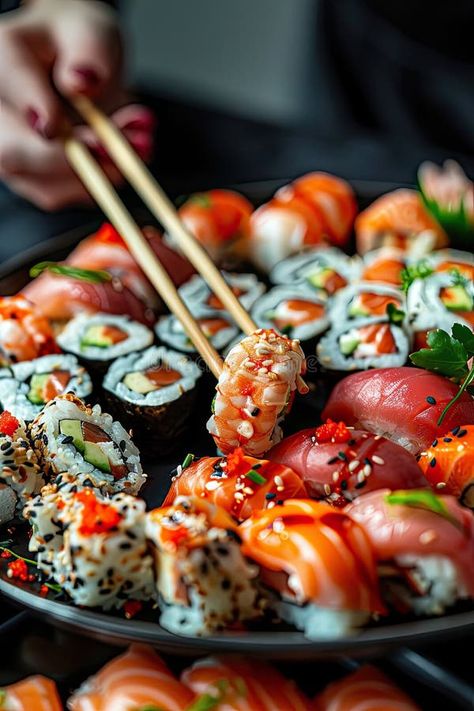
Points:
point(135, 680)
point(36, 693)
point(238, 483)
point(367, 689)
point(242, 685)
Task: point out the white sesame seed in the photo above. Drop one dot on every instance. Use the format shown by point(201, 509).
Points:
point(353, 465)
point(377, 437)
point(267, 362)
point(460, 448)
point(440, 484)
point(262, 371)
point(378, 460)
point(278, 480)
point(335, 476)
point(212, 485)
point(270, 504)
point(367, 470)
point(248, 490)
point(327, 489)
point(280, 488)
point(245, 429)
point(239, 496)
point(278, 526)
point(427, 537)
point(360, 476)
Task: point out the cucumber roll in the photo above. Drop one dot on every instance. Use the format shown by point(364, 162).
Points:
point(324, 269)
point(439, 301)
point(94, 547)
point(364, 343)
point(26, 387)
point(363, 300)
point(296, 311)
point(69, 436)
point(217, 327)
point(153, 392)
point(196, 293)
point(101, 338)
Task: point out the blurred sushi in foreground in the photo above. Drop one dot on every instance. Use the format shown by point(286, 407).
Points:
point(26, 387)
point(324, 269)
point(203, 582)
point(137, 679)
point(20, 475)
point(385, 266)
point(449, 196)
point(448, 464)
point(93, 546)
point(294, 310)
point(35, 693)
point(318, 564)
point(237, 483)
point(402, 404)
point(153, 393)
point(366, 688)
point(24, 331)
point(339, 464)
point(239, 684)
point(69, 436)
point(398, 219)
point(424, 545)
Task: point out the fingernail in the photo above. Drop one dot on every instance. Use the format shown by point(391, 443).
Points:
point(87, 75)
point(37, 123)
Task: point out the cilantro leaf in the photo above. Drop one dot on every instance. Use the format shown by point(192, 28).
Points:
point(446, 355)
point(465, 336)
point(420, 270)
point(395, 315)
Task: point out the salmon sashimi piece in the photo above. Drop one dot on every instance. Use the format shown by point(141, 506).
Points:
point(374, 304)
point(36, 693)
point(260, 377)
point(449, 464)
point(367, 689)
point(403, 404)
point(216, 216)
point(243, 685)
point(395, 219)
point(465, 269)
point(387, 271)
point(238, 483)
point(211, 326)
point(326, 560)
point(162, 376)
point(136, 679)
point(332, 196)
point(56, 384)
point(378, 335)
point(25, 332)
point(61, 298)
point(296, 312)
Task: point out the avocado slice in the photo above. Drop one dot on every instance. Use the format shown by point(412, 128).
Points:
point(456, 298)
point(95, 456)
point(348, 344)
point(318, 279)
point(95, 336)
point(355, 310)
point(73, 428)
point(139, 383)
point(37, 383)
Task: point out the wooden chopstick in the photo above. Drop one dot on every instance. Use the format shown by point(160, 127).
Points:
point(161, 206)
point(102, 190)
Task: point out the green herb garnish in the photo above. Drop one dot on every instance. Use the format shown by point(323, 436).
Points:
point(257, 478)
point(150, 708)
point(422, 499)
point(458, 278)
point(286, 330)
point(449, 355)
point(395, 315)
point(421, 270)
point(93, 276)
point(210, 701)
point(200, 199)
point(189, 459)
point(52, 586)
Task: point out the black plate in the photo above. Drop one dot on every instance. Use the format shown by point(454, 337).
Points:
point(275, 643)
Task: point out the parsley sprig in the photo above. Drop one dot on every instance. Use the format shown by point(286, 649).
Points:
point(449, 355)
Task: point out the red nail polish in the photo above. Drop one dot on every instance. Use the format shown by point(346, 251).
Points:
point(87, 75)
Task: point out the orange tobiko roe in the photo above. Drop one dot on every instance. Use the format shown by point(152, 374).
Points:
point(96, 516)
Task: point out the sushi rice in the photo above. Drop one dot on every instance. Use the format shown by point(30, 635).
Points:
point(310, 267)
point(196, 294)
point(171, 333)
point(274, 306)
point(20, 476)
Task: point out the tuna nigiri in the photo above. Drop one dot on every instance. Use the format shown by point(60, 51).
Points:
point(25, 333)
point(449, 464)
point(138, 679)
point(367, 689)
point(243, 685)
point(339, 464)
point(320, 566)
point(424, 544)
point(237, 483)
point(403, 404)
point(36, 693)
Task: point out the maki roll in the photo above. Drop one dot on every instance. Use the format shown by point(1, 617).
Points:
point(25, 388)
point(69, 436)
point(20, 475)
point(154, 393)
point(237, 483)
point(363, 300)
point(424, 545)
point(317, 565)
point(94, 547)
point(204, 583)
point(338, 464)
point(384, 265)
point(98, 339)
point(216, 326)
point(325, 269)
point(364, 343)
point(197, 295)
point(295, 311)
point(452, 260)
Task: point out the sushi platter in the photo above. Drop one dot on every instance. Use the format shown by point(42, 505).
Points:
point(319, 501)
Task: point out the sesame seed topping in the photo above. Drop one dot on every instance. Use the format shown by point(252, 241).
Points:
point(378, 460)
point(427, 537)
point(367, 470)
point(335, 476)
point(327, 489)
point(278, 480)
point(353, 465)
point(441, 485)
point(431, 400)
point(212, 485)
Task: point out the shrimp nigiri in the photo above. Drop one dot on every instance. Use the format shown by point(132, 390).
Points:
point(243, 685)
point(36, 693)
point(135, 680)
point(25, 333)
point(237, 483)
point(255, 391)
point(368, 689)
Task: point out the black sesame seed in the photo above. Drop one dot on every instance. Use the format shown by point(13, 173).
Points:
point(270, 496)
point(222, 551)
point(69, 439)
point(48, 537)
point(122, 444)
point(360, 484)
point(342, 456)
point(431, 400)
point(456, 430)
point(234, 535)
point(433, 462)
point(4, 446)
point(110, 572)
point(45, 439)
point(447, 439)
point(367, 461)
point(461, 433)
point(131, 535)
point(280, 502)
point(125, 546)
point(32, 514)
point(225, 584)
point(105, 591)
point(204, 569)
point(352, 442)
point(333, 460)
point(434, 443)
point(343, 484)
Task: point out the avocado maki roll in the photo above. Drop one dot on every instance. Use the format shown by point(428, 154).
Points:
point(325, 270)
point(217, 327)
point(69, 436)
point(154, 392)
point(296, 311)
point(197, 294)
point(364, 300)
point(99, 339)
point(26, 387)
point(440, 300)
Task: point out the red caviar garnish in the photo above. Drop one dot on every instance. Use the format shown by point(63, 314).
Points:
point(108, 233)
point(5, 554)
point(332, 432)
point(235, 460)
point(43, 591)
point(96, 517)
point(174, 536)
point(8, 424)
point(18, 570)
point(132, 608)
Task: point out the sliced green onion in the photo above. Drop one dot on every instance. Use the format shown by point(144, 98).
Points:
point(94, 276)
point(189, 459)
point(257, 478)
point(422, 499)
